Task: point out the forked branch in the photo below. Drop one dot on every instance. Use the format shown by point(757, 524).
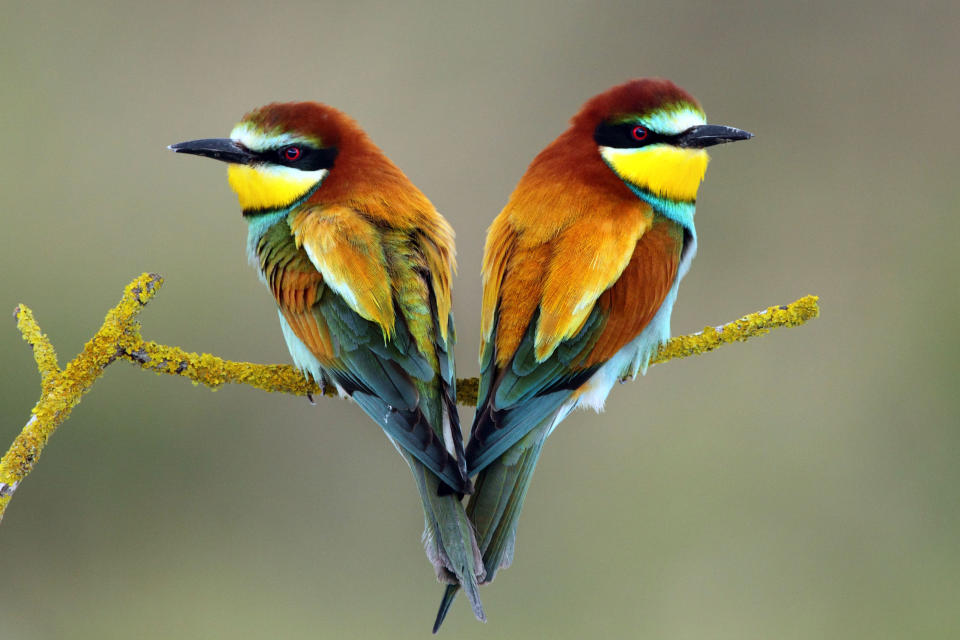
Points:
point(119, 338)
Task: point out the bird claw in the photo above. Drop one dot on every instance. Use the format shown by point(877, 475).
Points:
point(322, 386)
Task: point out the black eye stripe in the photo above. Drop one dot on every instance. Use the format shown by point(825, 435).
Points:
point(311, 158)
point(620, 136)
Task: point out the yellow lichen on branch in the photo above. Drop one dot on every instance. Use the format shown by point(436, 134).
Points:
point(61, 390)
point(43, 351)
point(119, 338)
point(213, 371)
point(749, 326)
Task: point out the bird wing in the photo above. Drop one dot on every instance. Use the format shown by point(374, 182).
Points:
point(557, 306)
point(348, 251)
point(361, 300)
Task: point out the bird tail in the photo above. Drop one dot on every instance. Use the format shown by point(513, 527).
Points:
point(448, 538)
point(494, 508)
point(448, 595)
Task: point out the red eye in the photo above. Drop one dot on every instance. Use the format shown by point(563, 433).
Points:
point(638, 133)
point(292, 153)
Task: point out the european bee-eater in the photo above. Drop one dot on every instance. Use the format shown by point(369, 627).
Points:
point(360, 263)
point(580, 273)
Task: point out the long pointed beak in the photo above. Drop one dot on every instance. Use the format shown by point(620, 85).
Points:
point(223, 149)
point(708, 135)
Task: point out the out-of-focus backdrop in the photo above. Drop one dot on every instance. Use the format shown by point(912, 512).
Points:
point(803, 485)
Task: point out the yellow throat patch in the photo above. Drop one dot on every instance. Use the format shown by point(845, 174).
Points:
point(664, 170)
point(265, 187)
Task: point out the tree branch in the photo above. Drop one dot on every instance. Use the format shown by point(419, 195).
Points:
point(119, 337)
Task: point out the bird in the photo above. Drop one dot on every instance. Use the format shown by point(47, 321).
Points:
point(359, 264)
point(580, 275)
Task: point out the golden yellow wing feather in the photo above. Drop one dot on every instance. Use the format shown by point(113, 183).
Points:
point(562, 274)
point(587, 259)
point(347, 250)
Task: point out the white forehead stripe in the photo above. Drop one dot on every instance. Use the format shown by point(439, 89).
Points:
point(254, 139)
point(672, 121)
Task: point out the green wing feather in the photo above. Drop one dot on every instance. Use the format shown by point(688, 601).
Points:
point(515, 399)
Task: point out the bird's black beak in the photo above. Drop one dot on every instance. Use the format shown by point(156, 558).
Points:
point(223, 149)
point(707, 135)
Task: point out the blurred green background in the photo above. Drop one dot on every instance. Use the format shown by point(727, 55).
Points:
point(803, 485)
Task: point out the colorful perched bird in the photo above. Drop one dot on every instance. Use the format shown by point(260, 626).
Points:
point(360, 265)
point(580, 274)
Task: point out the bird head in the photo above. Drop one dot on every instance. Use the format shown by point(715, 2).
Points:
point(653, 135)
point(278, 155)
